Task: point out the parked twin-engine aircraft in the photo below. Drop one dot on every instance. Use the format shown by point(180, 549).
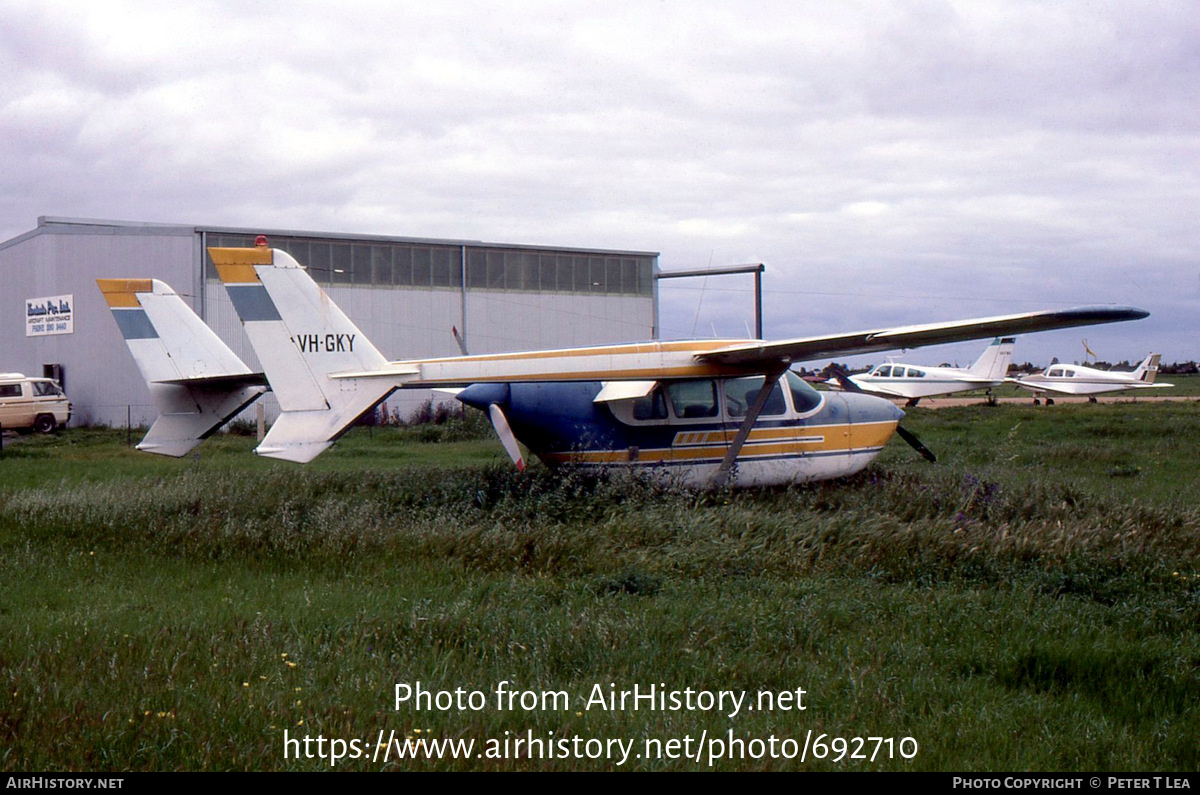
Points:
point(916, 381)
point(700, 409)
point(1075, 379)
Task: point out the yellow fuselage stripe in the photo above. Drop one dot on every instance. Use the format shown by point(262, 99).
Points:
point(836, 438)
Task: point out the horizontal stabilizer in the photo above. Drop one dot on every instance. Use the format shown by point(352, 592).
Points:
point(219, 381)
point(299, 436)
point(207, 408)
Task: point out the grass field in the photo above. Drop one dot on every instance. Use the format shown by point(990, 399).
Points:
point(1031, 602)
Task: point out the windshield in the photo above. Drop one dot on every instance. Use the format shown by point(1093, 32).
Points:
point(804, 397)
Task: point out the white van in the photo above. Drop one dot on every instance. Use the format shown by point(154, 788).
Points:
point(37, 403)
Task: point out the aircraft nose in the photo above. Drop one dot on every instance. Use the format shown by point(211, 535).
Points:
point(869, 408)
point(480, 396)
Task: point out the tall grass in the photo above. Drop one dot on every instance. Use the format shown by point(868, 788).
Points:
point(1004, 612)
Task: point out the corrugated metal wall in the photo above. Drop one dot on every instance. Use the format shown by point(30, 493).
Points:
point(104, 385)
point(101, 379)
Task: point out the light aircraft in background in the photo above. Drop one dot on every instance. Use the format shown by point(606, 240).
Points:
point(699, 409)
point(916, 381)
point(1075, 379)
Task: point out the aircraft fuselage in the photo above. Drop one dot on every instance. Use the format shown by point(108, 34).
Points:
point(682, 429)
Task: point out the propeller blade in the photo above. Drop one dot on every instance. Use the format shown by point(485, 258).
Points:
point(915, 443)
point(500, 423)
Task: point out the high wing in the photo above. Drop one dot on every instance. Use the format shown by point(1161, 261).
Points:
point(827, 347)
point(326, 373)
point(704, 358)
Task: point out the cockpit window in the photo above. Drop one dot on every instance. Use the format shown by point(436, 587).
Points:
point(693, 399)
point(883, 371)
point(741, 392)
point(804, 397)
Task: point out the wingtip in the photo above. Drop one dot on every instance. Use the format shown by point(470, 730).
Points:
point(1108, 311)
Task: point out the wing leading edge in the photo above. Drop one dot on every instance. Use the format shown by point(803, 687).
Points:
point(809, 348)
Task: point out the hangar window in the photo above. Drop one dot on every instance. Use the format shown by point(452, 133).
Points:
point(548, 271)
point(402, 264)
point(629, 279)
point(612, 275)
point(381, 265)
point(341, 264)
point(422, 266)
point(446, 267)
point(596, 272)
point(318, 262)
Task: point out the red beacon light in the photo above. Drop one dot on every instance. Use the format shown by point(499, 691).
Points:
point(260, 241)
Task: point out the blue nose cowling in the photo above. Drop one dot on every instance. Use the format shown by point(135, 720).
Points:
point(480, 396)
point(869, 408)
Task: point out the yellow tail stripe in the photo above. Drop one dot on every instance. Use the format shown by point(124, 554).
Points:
point(123, 292)
point(236, 265)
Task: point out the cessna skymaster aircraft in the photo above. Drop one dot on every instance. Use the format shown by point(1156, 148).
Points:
point(914, 381)
point(1075, 379)
point(693, 408)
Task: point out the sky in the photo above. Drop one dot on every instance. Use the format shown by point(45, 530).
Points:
point(890, 162)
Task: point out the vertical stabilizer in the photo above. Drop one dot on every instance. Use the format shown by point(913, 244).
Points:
point(303, 340)
point(993, 364)
point(196, 381)
point(1147, 371)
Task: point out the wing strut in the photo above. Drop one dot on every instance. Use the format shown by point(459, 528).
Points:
point(735, 447)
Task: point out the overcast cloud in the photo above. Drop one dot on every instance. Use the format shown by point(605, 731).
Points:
point(890, 162)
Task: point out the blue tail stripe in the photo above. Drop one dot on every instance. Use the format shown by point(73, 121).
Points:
point(252, 302)
point(134, 324)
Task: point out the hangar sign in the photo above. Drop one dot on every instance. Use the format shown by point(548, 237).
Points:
point(50, 315)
